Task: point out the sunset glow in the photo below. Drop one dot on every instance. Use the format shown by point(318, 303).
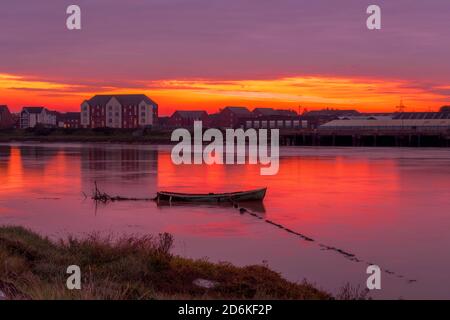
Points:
point(309, 92)
point(210, 54)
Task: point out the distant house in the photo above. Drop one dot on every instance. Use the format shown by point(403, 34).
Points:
point(230, 117)
point(68, 120)
point(265, 112)
point(185, 119)
point(445, 109)
point(16, 119)
point(274, 122)
point(163, 122)
point(273, 119)
point(316, 118)
point(331, 113)
point(31, 117)
point(6, 118)
point(119, 111)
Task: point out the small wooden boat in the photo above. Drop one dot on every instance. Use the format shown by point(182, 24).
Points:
point(252, 195)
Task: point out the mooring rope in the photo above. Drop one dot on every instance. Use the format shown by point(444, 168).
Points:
point(350, 256)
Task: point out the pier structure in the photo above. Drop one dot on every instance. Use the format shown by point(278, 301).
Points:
point(366, 138)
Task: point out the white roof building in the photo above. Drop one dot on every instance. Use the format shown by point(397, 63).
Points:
point(393, 124)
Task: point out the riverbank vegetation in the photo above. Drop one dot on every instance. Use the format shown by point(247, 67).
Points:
point(33, 267)
point(40, 134)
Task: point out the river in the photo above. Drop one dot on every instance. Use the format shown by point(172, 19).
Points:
point(385, 206)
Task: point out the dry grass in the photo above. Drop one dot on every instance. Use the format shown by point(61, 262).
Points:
point(32, 267)
point(349, 292)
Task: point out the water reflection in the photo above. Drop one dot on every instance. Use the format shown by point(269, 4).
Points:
point(387, 206)
point(251, 206)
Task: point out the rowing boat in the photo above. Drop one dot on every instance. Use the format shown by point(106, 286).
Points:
point(252, 195)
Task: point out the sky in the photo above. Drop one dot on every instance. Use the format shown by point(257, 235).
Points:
point(206, 54)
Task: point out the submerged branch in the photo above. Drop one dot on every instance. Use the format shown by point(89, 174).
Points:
point(103, 197)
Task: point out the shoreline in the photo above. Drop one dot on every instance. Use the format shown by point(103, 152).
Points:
point(131, 268)
point(163, 137)
point(83, 136)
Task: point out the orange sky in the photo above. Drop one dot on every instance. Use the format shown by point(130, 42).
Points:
point(311, 92)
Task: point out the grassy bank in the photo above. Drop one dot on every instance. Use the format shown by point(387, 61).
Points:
point(33, 267)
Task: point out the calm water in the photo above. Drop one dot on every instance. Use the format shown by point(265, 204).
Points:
point(390, 207)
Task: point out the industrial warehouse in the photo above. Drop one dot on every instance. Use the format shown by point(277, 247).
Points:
point(403, 129)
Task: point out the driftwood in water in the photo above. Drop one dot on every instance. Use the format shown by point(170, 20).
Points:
point(104, 197)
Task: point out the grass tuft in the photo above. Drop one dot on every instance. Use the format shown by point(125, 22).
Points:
point(33, 267)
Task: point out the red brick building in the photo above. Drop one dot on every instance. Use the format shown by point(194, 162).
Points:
point(119, 111)
point(68, 120)
point(185, 119)
point(6, 119)
point(274, 122)
point(230, 117)
point(267, 112)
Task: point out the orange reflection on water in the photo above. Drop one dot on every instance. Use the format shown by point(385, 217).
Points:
point(319, 189)
point(29, 170)
point(12, 172)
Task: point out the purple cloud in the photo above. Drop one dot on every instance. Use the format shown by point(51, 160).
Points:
point(138, 40)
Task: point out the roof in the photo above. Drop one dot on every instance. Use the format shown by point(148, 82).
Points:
point(366, 117)
point(124, 99)
point(4, 108)
point(241, 111)
point(6, 118)
point(33, 109)
point(422, 115)
point(265, 111)
point(274, 112)
point(286, 113)
point(386, 123)
point(330, 112)
point(188, 114)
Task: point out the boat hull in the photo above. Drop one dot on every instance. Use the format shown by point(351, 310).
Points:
point(253, 195)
